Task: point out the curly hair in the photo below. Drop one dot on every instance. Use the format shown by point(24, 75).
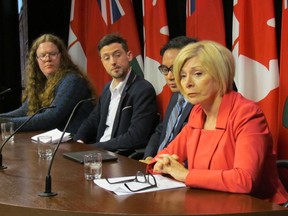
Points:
point(39, 90)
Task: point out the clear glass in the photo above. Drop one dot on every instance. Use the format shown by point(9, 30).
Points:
point(7, 129)
point(93, 166)
point(45, 147)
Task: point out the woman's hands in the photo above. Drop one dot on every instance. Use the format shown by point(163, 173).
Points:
point(147, 160)
point(169, 164)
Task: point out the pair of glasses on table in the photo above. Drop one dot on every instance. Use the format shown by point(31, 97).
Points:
point(140, 178)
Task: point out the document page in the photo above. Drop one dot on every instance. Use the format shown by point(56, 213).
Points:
point(163, 183)
point(55, 134)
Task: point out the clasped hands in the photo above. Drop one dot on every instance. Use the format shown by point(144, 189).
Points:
point(169, 164)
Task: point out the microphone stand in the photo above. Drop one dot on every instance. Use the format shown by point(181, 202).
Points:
point(48, 179)
point(8, 138)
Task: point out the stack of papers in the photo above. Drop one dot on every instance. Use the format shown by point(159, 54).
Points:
point(55, 134)
point(163, 183)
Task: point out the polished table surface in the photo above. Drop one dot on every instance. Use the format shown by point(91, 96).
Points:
point(25, 175)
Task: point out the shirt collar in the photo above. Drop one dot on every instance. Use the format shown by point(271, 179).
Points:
point(121, 85)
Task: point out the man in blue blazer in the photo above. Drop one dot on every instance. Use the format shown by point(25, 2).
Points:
point(125, 116)
point(162, 135)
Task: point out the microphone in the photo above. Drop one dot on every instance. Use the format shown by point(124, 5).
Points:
point(5, 91)
point(48, 180)
point(8, 138)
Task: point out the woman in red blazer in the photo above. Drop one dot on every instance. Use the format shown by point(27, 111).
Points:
point(226, 143)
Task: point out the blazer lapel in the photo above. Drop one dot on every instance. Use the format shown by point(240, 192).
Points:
point(105, 101)
point(168, 113)
point(197, 125)
point(221, 124)
point(132, 77)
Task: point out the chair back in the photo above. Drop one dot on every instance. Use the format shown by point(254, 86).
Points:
point(282, 166)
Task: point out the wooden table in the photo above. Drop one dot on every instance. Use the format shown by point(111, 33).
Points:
point(24, 179)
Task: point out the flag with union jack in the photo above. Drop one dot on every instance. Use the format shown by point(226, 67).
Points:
point(156, 34)
point(205, 20)
point(283, 86)
point(255, 53)
point(90, 20)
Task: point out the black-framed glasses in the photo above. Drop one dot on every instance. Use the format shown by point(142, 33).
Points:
point(165, 70)
point(136, 183)
point(52, 55)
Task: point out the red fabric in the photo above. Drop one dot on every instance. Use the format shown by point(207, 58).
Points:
point(255, 52)
point(89, 23)
point(239, 157)
point(283, 86)
point(156, 34)
point(205, 20)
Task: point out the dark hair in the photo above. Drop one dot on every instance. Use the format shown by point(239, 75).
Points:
point(112, 38)
point(177, 43)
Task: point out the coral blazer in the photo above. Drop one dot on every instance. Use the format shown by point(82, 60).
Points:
point(236, 157)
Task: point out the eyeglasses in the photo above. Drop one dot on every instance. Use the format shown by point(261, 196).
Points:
point(136, 184)
point(51, 55)
point(165, 70)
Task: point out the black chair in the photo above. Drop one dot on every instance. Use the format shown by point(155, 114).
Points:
point(138, 154)
point(282, 166)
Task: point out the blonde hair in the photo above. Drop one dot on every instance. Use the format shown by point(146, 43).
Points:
point(39, 90)
point(215, 59)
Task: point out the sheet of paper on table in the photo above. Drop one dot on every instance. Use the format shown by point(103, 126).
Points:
point(55, 134)
point(163, 183)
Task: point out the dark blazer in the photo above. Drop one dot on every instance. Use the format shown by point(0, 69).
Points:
point(134, 121)
point(160, 131)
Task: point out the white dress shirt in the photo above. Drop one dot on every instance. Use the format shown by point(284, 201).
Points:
point(116, 93)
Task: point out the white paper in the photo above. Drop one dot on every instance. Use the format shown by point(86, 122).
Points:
point(55, 134)
point(163, 183)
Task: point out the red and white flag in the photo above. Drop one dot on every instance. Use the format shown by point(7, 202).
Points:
point(90, 20)
point(205, 20)
point(283, 87)
point(255, 52)
point(156, 34)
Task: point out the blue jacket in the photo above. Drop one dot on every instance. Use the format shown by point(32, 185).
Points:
point(70, 90)
point(134, 121)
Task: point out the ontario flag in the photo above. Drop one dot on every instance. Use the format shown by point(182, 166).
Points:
point(156, 34)
point(283, 87)
point(255, 52)
point(91, 20)
point(205, 20)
